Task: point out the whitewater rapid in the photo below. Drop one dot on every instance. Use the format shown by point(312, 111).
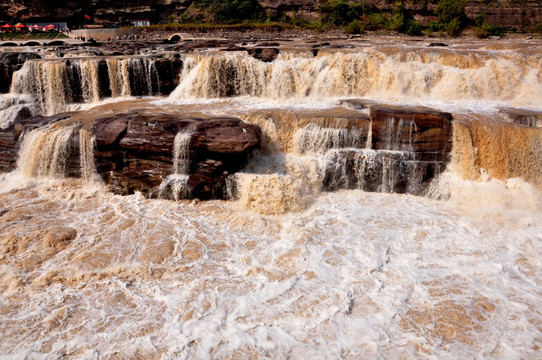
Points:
point(87, 274)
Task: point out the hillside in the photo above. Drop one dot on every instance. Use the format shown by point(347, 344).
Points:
point(519, 15)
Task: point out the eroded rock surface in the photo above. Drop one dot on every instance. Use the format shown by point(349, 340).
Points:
point(401, 149)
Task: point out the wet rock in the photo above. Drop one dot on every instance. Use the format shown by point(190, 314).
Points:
point(235, 48)
point(409, 147)
point(8, 150)
point(109, 131)
point(438, 44)
point(268, 44)
point(222, 136)
point(11, 62)
point(135, 153)
point(264, 54)
point(169, 71)
point(523, 117)
point(417, 129)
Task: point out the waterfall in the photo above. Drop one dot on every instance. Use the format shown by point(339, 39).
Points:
point(394, 134)
point(119, 77)
point(51, 151)
point(90, 84)
point(48, 81)
point(44, 152)
point(500, 150)
point(445, 75)
point(316, 139)
point(181, 145)
point(175, 185)
point(87, 144)
point(58, 83)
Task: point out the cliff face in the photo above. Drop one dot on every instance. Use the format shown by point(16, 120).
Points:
point(516, 14)
point(101, 11)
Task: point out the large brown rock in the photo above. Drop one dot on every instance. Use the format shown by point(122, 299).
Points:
point(222, 136)
point(134, 152)
point(264, 54)
point(416, 129)
point(408, 147)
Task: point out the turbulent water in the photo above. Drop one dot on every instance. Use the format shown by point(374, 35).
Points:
point(285, 270)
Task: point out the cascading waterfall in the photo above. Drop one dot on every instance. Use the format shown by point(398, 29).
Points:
point(86, 157)
point(44, 152)
point(119, 77)
point(51, 150)
point(421, 75)
point(484, 147)
point(315, 139)
point(181, 146)
point(324, 153)
point(90, 84)
point(48, 81)
point(58, 83)
point(348, 274)
point(175, 184)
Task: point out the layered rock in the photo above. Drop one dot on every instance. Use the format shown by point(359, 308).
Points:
point(401, 149)
point(523, 117)
point(134, 152)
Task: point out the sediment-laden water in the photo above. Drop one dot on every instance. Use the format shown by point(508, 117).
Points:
point(301, 262)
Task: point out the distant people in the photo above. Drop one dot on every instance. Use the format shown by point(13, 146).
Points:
point(109, 38)
point(117, 38)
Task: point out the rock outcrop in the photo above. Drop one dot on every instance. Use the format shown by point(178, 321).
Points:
point(135, 152)
point(523, 117)
point(11, 62)
point(402, 149)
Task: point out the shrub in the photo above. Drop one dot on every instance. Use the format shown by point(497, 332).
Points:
point(451, 15)
point(230, 11)
point(341, 12)
point(375, 21)
point(355, 27)
point(486, 30)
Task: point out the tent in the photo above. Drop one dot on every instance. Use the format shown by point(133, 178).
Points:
point(21, 26)
point(49, 27)
point(7, 26)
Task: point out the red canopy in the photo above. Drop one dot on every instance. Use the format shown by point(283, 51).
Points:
point(35, 26)
point(20, 26)
point(49, 27)
point(7, 26)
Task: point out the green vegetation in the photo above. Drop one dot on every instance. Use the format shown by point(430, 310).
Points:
point(207, 26)
point(451, 15)
point(484, 29)
point(222, 11)
point(354, 16)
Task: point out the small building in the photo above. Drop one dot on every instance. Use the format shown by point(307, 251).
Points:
point(140, 23)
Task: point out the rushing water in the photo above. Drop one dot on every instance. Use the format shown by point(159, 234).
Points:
point(284, 269)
